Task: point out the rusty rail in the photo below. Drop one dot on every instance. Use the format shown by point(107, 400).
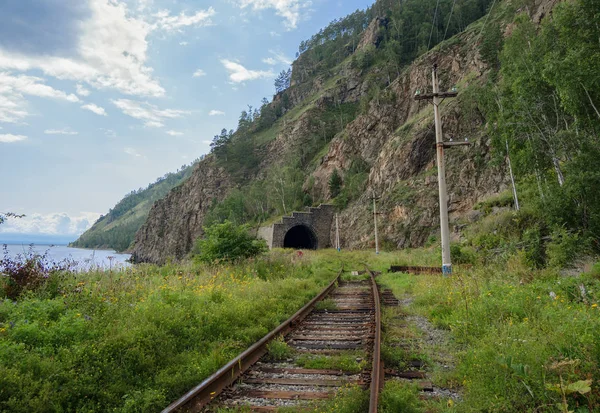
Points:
point(201, 395)
point(377, 372)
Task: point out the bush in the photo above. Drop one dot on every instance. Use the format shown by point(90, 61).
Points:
point(228, 242)
point(27, 272)
point(399, 397)
point(563, 249)
point(335, 183)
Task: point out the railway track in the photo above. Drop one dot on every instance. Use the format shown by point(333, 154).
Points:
point(348, 322)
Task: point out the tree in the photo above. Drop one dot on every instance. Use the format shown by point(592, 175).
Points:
point(5, 215)
point(335, 183)
point(282, 81)
point(220, 142)
point(228, 242)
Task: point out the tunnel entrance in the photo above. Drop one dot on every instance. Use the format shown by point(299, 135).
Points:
point(300, 237)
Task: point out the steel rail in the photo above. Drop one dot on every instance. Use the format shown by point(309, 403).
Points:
point(377, 371)
point(201, 395)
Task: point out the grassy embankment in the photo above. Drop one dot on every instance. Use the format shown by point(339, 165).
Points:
point(522, 340)
point(136, 340)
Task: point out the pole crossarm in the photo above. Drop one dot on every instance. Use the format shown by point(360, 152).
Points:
point(451, 144)
point(441, 95)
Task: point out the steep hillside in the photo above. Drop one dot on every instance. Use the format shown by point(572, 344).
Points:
point(341, 109)
point(348, 107)
point(117, 229)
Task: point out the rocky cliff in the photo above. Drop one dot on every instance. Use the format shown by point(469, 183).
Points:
point(176, 221)
point(392, 137)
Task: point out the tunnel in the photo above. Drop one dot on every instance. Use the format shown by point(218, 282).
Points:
point(300, 237)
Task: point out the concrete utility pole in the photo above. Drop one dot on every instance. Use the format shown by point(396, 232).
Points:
point(374, 198)
point(512, 178)
point(436, 97)
point(337, 233)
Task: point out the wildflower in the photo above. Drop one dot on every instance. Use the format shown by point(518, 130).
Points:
point(594, 305)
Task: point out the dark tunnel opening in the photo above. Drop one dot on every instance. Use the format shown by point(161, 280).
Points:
point(300, 237)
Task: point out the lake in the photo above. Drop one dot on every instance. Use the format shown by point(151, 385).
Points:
point(85, 259)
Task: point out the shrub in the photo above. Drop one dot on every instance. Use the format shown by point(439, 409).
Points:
point(228, 242)
point(398, 397)
point(563, 249)
point(27, 272)
point(279, 350)
point(335, 183)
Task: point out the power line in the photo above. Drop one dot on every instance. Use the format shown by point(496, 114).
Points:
point(433, 23)
point(486, 20)
point(449, 18)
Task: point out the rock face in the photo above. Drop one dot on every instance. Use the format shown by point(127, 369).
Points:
point(175, 222)
point(393, 138)
point(396, 139)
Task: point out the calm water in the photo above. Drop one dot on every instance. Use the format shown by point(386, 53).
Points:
point(84, 259)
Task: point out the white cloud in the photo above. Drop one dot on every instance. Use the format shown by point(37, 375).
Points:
point(13, 88)
point(152, 116)
point(53, 224)
point(199, 73)
point(63, 131)
point(109, 132)
point(30, 85)
point(81, 91)
point(238, 73)
point(95, 108)
point(288, 9)
point(183, 43)
point(111, 51)
point(174, 133)
point(279, 58)
point(132, 152)
point(8, 138)
point(216, 113)
point(207, 142)
point(274, 34)
point(270, 61)
point(171, 23)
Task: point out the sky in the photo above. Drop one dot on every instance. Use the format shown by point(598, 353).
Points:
point(100, 97)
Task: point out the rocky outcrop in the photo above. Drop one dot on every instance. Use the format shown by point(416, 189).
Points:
point(393, 137)
point(372, 35)
point(175, 222)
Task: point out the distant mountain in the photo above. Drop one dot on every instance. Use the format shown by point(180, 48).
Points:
point(116, 230)
point(38, 239)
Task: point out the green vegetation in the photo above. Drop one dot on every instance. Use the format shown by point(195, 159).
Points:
point(542, 112)
point(351, 361)
point(278, 350)
point(116, 230)
point(523, 339)
point(228, 242)
point(136, 340)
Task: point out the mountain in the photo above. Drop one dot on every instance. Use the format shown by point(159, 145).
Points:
point(116, 230)
point(347, 110)
point(347, 106)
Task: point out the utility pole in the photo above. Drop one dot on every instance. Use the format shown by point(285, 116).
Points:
point(337, 233)
point(512, 178)
point(436, 97)
point(374, 198)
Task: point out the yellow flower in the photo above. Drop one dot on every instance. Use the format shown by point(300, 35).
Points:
point(594, 305)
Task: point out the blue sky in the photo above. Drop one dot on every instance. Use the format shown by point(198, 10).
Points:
point(99, 97)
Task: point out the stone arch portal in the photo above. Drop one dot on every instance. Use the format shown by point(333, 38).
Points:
point(300, 237)
point(310, 229)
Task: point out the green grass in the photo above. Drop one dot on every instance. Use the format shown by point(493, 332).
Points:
point(138, 339)
point(278, 350)
point(509, 326)
point(350, 361)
